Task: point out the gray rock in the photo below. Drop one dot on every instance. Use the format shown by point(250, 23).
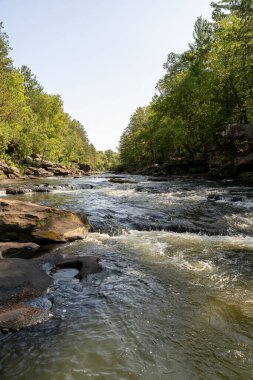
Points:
point(13, 248)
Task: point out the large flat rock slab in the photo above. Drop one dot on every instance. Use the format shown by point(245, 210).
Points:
point(29, 222)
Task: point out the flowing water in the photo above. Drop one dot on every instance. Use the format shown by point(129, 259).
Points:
point(174, 299)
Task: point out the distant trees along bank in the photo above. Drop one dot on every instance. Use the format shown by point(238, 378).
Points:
point(204, 89)
point(34, 122)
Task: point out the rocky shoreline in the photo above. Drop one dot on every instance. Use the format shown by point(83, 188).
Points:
point(230, 158)
point(25, 228)
point(34, 167)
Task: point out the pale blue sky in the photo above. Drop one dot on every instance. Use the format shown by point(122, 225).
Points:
point(104, 57)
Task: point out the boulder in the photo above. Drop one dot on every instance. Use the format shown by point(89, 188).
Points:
point(59, 171)
point(9, 171)
point(24, 222)
point(55, 168)
point(47, 169)
point(84, 167)
point(38, 172)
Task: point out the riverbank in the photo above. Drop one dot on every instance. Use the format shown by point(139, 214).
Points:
point(30, 168)
point(230, 157)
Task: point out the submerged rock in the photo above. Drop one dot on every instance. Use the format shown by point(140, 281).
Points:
point(120, 180)
point(23, 281)
point(24, 222)
point(214, 197)
point(21, 316)
point(158, 179)
point(85, 265)
point(12, 248)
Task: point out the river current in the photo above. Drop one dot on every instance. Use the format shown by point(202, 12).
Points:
point(174, 299)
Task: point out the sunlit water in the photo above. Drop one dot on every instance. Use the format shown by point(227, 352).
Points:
point(174, 299)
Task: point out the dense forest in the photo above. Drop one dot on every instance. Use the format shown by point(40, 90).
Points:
point(34, 122)
point(204, 89)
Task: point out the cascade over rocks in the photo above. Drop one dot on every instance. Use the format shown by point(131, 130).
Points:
point(41, 188)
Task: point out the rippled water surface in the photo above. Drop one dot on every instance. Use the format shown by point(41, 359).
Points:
point(174, 299)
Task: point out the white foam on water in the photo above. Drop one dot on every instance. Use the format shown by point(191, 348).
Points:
point(186, 251)
point(162, 242)
point(243, 222)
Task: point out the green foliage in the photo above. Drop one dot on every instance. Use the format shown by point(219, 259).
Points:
point(107, 160)
point(203, 89)
point(34, 122)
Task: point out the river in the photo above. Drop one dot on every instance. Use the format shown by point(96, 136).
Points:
point(174, 299)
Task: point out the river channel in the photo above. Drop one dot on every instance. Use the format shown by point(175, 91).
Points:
point(174, 299)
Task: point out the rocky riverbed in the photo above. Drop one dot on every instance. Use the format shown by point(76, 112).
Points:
point(174, 296)
point(24, 228)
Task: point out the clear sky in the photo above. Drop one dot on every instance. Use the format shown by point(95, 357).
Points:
point(104, 57)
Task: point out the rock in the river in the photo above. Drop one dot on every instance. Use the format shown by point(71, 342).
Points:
point(20, 281)
point(12, 248)
point(120, 180)
point(85, 265)
point(21, 316)
point(23, 280)
point(42, 188)
point(214, 197)
point(158, 179)
point(24, 222)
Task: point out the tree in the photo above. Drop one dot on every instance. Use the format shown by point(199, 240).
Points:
point(205, 88)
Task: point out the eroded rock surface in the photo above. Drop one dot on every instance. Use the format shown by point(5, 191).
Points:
point(24, 222)
point(8, 171)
